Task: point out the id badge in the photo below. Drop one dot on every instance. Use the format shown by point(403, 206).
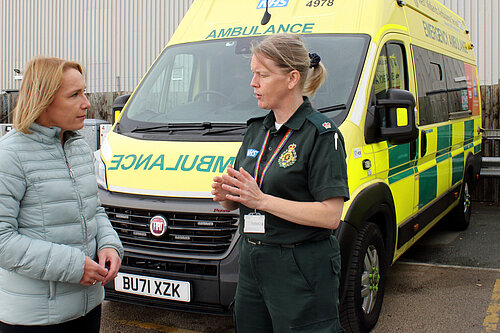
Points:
point(254, 223)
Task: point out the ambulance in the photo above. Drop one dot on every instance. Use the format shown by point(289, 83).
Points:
point(402, 86)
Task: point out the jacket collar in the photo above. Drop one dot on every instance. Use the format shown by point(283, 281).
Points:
point(297, 119)
point(49, 134)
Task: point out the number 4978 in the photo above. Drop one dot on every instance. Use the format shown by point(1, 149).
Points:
point(319, 3)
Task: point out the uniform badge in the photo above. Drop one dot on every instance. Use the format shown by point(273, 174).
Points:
point(326, 125)
point(252, 152)
point(288, 157)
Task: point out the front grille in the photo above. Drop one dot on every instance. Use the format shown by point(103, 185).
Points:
point(169, 266)
point(186, 233)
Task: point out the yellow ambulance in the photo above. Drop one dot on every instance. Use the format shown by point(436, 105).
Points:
point(402, 87)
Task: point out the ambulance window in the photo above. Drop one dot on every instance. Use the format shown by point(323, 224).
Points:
point(456, 81)
point(397, 66)
point(391, 70)
point(431, 86)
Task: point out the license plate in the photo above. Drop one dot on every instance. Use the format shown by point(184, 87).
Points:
point(153, 287)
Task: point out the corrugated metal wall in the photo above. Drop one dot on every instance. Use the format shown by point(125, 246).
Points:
point(115, 40)
point(482, 17)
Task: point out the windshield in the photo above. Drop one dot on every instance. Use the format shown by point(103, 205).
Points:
point(208, 84)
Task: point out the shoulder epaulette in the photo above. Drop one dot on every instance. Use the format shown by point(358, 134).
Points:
point(322, 122)
point(251, 120)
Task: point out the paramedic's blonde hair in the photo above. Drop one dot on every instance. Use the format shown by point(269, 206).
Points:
point(42, 77)
point(289, 52)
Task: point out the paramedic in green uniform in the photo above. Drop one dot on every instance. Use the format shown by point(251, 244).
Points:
point(290, 183)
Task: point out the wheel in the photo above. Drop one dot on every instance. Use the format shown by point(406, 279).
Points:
point(365, 281)
point(460, 215)
point(225, 98)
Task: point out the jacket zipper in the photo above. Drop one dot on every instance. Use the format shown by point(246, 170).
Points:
point(80, 207)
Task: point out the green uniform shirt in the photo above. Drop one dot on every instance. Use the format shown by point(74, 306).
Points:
point(309, 167)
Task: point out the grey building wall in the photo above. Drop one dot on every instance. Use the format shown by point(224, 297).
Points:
point(115, 40)
point(482, 18)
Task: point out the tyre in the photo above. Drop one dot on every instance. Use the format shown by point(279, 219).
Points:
point(365, 281)
point(459, 218)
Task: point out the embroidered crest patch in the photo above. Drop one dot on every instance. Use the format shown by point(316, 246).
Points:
point(326, 125)
point(288, 157)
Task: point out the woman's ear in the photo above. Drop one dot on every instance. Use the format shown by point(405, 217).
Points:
point(293, 79)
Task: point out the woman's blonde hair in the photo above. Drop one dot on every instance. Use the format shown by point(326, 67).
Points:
point(289, 52)
point(42, 78)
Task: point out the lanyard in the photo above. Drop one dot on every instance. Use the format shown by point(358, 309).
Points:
point(268, 164)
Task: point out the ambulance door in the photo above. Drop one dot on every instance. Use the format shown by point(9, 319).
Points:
point(398, 161)
point(434, 163)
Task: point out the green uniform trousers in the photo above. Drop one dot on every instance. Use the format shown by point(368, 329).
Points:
point(288, 288)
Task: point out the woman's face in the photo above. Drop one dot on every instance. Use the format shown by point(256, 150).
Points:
point(69, 107)
point(270, 85)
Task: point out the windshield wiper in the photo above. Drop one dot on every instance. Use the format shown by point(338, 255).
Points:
point(174, 127)
point(333, 108)
point(229, 128)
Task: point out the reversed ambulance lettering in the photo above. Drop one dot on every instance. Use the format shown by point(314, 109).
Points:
point(207, 163)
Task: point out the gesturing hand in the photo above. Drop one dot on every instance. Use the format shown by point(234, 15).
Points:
point(242, 188)
point(218, 192)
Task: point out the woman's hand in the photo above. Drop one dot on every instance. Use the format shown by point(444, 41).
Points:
point(241, 187)
point(221, 194)
point(92, 273)
point(109, 255)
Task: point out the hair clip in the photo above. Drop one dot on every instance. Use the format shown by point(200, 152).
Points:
point(315, 59)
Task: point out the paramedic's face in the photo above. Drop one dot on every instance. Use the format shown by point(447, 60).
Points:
point(269, 83)
point(69, 107)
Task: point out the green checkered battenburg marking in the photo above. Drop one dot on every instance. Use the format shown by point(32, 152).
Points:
point(401, 167)
point(428, 186)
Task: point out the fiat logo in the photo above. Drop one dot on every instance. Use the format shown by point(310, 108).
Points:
point(158, 225)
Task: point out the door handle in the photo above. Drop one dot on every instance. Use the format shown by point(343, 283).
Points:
point(423, 143)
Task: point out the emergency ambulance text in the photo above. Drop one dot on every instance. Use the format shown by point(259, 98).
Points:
point(443, 37)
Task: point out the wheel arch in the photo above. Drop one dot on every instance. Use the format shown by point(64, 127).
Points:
point(473, 167)
point(373, 204)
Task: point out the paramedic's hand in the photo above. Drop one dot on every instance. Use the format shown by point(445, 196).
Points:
point(220, 194)
point(242, 188)
point(92, 273)
point(109, 256)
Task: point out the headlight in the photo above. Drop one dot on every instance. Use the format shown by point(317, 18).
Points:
point(100, 170)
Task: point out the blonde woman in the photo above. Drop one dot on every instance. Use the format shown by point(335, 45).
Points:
point(57, 246)
point(289, 182)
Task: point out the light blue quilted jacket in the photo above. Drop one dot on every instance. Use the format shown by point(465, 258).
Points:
point(50, 219)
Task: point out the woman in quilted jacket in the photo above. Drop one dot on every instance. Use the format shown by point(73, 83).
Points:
point(57, 246)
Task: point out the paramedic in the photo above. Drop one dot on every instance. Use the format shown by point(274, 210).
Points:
point(289, 182)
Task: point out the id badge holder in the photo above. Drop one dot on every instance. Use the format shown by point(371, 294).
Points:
point(254, 223)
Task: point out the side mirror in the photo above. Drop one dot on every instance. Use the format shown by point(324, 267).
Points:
point(118, 105)
point(397, 117)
